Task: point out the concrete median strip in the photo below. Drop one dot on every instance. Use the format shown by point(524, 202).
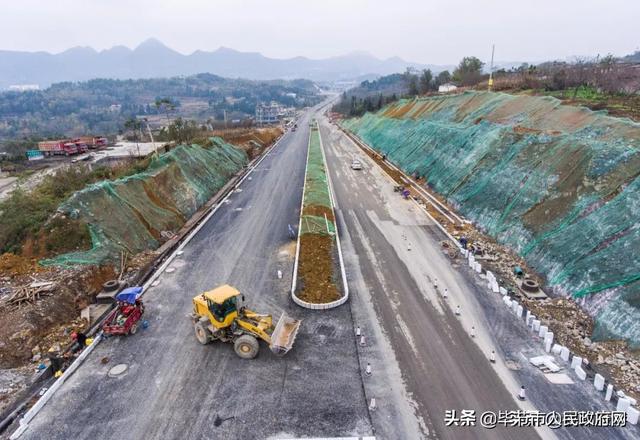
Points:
point(318, 236)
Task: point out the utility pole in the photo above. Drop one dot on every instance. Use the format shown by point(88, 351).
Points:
point(493, 49)
point(155, 150)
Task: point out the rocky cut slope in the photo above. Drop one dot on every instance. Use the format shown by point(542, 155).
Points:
point(558, 184)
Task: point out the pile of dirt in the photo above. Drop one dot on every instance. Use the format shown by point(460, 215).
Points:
point(12, 265)
point(252, 140)
point(315, 269)
point(37, 323)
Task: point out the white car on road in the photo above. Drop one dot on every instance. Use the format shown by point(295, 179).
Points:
point(356, 164)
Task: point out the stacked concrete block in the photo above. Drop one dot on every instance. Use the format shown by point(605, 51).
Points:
point(598, 382)
point(609, 393)
point(542, 331)
point(623, 404)
point(576, 361)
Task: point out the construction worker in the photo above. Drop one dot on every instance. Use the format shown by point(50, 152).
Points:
point(80, 341)
point(55, 361)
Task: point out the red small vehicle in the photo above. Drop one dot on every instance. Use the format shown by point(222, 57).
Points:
point(125, 319)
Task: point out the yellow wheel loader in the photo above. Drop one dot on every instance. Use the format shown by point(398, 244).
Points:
point(220, 314)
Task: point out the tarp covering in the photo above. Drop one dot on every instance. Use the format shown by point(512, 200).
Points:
point(558, 184)
point(139, 212)
point(129, 295)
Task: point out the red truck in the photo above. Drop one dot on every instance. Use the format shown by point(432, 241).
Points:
point(93, 141)
point(53, 148)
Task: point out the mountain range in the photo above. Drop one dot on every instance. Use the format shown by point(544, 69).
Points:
point(152, 59)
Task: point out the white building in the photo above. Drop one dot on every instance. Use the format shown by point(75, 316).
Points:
point(447, 87)
point(269, 113)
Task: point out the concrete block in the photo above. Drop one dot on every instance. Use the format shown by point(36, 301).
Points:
point(582, 375)
point(478, 268)
point(548, 337)
point(519, 311)
point(547, 345)
point(598, 382)
point(514, 306)
point(542, 331)
point(556, 348)
point(490, 276)
point(564, 354)
point(576, 361)
point(609, 393)
point(506, 300)
point(623, 404)
point(495, 287)
point(503, 291)
point(535, 325)
point(632, 416)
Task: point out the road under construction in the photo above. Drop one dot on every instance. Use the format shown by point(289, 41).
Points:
point(427, 354)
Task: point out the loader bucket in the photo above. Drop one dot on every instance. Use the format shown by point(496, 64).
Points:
point(284, 334)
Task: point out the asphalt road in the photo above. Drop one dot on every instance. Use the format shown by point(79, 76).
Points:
point(394, 256)
point(175, 387)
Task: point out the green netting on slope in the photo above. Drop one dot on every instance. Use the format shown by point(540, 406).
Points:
point(559, 184)
point(135, 213)
point(316, 190)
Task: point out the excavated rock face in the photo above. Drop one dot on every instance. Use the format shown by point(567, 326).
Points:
point(557, 184)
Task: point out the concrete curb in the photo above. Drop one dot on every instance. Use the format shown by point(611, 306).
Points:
point(345, 297)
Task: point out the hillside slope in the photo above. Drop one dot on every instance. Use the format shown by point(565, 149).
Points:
point(135, 213)
point(558, 184)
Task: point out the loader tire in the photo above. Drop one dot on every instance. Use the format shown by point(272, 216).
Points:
point(202, 333)
point(246, 346)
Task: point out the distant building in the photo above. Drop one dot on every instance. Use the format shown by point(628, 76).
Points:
point(24, 87)
point(267, 114)
point(447, 87)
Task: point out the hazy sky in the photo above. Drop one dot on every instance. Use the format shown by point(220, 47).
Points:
point(426, 31)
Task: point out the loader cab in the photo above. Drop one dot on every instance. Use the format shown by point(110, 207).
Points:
point(221, 311)
point(223, 304)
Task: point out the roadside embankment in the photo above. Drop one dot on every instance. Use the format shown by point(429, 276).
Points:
point(559, 185)
point(141, 211)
